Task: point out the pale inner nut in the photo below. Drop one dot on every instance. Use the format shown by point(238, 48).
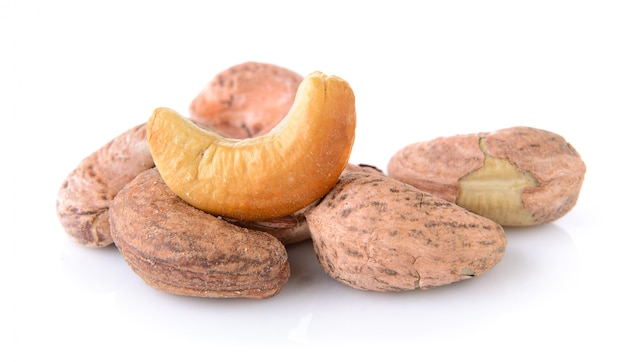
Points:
point(495, 191)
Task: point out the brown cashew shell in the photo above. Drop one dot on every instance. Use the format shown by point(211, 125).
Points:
point(178, 249)
point(293, 228)
point(375, 233)
point(83, 200)
point(246, 100)
point(290, 229)
point(517, 176)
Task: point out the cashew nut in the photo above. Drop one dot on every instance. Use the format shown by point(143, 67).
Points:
point(269, 176)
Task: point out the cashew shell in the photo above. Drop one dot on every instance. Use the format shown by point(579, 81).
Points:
point(375, 233)
point(178, 249)
point(85, 196)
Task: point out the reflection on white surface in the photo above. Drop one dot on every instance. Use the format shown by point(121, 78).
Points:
point(538, 291)
point(300, 333)
point(540, 264)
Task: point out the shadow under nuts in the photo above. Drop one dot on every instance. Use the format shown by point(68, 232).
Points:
point(375, 233)
point(178, 249)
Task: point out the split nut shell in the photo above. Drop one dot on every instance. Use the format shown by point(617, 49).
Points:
point(517, 176)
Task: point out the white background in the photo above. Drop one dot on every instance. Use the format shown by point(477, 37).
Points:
point(74, 74)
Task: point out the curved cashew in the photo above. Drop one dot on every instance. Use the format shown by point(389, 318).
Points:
point(264, 177)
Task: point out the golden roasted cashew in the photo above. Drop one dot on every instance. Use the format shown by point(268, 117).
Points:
point(269, 176)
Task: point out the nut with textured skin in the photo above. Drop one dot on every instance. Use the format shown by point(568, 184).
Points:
point(375, 233)
point(288, 229)
point(246, 100)
point(517, 176)
point(178, 249)
point(85, 195)
point(264, 177)
point(260, 95)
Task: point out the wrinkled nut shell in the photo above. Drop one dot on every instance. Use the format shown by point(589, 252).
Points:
point(178, 249)
point(83, 200)
point(350, 167)
point(290, 229)
point(246, 100)
point(375, 233)
point(516, 176)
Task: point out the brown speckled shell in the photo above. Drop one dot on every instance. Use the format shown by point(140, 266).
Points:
point(83, 200)
point(436, 166)
point(178, 249)
point(246, 100)
point(293, 228)
point(290, 229)
point(550, 159)
point(375, 233)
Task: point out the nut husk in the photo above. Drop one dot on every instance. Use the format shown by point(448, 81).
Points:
point(178, 249)
point(372, 232)
point(517, 176)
